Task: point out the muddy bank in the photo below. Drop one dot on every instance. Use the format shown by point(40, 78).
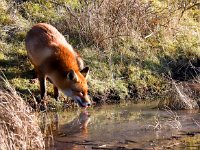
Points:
point(180, 95)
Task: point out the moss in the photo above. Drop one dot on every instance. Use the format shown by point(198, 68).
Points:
point(5, 19)
point(20, 36)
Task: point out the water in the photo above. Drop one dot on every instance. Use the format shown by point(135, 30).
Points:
point(127, 126)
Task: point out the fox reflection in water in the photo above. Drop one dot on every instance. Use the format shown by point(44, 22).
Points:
point(55, 133)
point(78, 125)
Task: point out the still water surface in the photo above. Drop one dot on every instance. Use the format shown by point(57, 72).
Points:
point(128, 126)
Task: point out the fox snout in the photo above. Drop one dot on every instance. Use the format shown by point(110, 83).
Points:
point(82, 101)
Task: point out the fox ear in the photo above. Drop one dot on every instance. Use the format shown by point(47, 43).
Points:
point(72, 76)
point(85, 72)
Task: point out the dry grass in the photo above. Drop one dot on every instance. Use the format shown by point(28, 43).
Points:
point(18, 124)
point(172, 122)
point(112, 23)
point(183, 96)
point(185, 99)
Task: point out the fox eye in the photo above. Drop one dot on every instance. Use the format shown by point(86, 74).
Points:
point(80, 93)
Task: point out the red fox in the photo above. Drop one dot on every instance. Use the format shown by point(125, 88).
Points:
point(53, 57)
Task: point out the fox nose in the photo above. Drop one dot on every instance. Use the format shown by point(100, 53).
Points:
point(85, 104)
point(88, 104)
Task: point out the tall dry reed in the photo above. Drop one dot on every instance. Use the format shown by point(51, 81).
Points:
point(18, 124)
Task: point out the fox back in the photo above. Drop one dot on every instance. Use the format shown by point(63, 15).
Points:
point(53, 57)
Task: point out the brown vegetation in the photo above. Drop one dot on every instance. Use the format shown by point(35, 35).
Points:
point(18, 124)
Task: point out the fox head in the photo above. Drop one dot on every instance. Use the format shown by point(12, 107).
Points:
point(75, 86)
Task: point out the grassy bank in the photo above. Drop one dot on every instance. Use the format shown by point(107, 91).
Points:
point(135, 49)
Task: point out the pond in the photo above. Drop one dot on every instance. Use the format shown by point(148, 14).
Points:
point(124, 126)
